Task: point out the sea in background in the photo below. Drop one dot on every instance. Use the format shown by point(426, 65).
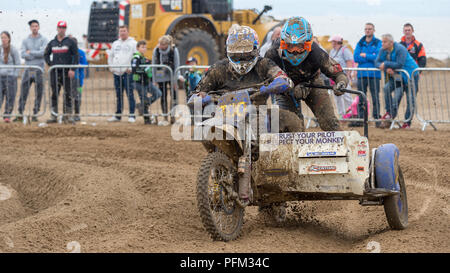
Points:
point(432, 32)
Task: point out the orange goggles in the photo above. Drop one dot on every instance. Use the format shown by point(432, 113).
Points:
point(299, 48)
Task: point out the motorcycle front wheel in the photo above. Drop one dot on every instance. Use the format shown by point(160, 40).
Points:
point(221, 216)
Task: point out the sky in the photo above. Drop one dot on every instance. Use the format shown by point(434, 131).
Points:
point(328, 17)
point(413, 8)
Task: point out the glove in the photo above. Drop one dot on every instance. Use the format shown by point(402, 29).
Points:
point(337, 88)
point(205, 100)
point(301, 92)
point(278, 86)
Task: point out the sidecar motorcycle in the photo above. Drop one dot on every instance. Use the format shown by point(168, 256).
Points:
point(275, 168)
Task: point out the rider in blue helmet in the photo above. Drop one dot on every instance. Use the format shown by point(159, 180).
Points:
point(296, 39)
point(303, 61)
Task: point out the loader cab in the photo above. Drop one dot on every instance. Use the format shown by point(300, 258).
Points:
point(220, 10)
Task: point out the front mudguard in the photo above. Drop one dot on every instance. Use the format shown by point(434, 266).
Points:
point(227, 143)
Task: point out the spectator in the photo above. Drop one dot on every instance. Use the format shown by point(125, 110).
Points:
point(395, 56)
point(365, 54)
point(192, 77)
point(141, 78)
point(8, 76)
point(344, 57)
point(417, 51)
point(86, 48)
point(78, 82)
point(274, 35)
point(121, 54)
point(32, 50)
point(165, 54)
point(414, 47)
point(61, 51)
point(352, 111)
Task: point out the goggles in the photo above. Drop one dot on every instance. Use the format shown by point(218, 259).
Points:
point(241, 57)
point(297, 48)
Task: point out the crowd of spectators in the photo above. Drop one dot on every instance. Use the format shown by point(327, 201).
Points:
point(153, 84)
point(389, 57)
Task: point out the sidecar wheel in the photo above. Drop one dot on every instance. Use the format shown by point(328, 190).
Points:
point(388, 175)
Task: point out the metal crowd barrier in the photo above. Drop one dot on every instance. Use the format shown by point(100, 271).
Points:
point(16, 99)
point(96, 95)
point(432, 98)
point(399, 86)
point(182, 70)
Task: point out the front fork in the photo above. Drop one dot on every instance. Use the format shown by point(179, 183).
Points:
point(244, 172)
point(244, 169)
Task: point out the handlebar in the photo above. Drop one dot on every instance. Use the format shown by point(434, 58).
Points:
point(356, 92)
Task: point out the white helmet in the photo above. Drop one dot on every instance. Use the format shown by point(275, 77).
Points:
point(242, 48)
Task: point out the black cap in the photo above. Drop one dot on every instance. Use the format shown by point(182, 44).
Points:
point(33, 21)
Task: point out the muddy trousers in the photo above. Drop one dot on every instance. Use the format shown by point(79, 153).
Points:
point(60, 78)
point(8, 90)
point(28, 78)
point(320, 104)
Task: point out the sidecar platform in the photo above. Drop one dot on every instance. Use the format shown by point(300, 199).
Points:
point(313, 166)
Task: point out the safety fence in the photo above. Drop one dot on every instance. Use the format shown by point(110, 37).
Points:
point(103, 94)
point(389, 96)
point(16, 90)
point(192, 74)
point(432, 96)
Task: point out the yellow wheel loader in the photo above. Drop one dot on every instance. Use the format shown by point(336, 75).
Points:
point(199, 27)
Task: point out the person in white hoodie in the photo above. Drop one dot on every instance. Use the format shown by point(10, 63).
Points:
point(121, 54)
point(8, 76)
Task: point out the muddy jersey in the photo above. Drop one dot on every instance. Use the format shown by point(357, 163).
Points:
point(221, 76)
point(317, 61)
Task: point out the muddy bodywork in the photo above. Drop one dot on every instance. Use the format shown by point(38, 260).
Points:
point(311, 166)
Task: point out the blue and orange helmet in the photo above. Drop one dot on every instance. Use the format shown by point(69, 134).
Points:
point(296, 40)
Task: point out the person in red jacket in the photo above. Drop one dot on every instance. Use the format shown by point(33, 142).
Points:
point(415, 48)
point(417, 52)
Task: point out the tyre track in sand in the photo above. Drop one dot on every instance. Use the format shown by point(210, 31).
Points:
point(130, 188)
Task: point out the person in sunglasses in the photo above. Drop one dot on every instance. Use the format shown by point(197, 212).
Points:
point(303, 60)
point(243, 67)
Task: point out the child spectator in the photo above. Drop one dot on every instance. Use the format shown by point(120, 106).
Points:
point(78, 81)
point(142, 81)
point(192, 77)
point(352, 111)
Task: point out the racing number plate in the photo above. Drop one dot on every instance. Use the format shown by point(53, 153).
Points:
point(234, 103)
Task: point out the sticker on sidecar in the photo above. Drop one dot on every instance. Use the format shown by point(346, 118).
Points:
point(311, 138)
point(315, 168)
point(316, 154)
